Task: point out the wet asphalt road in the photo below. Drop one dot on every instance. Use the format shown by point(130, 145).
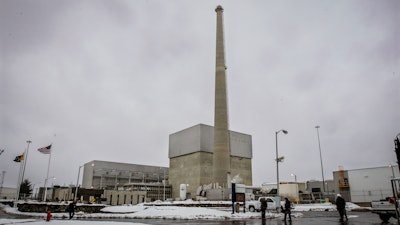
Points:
point(307, 218)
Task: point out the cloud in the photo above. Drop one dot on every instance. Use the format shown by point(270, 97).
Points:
point(112, 80)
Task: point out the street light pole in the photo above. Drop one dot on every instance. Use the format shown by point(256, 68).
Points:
point(77, 182)
point(278, 160)
point(320, 156)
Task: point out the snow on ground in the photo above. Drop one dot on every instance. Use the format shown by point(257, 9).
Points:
point(124, 208)
point(62, 222)
point(163, 211)
point(154, 212)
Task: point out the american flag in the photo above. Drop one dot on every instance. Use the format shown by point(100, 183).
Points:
point(45, 150)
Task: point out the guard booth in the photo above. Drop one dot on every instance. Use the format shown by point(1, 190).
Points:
point(238, 196)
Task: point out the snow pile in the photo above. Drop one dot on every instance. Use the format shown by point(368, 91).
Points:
point(154, 212)
point(124, 208)
point(322, 207)
point(193, 213)
point(169, 211)
point(14, 221)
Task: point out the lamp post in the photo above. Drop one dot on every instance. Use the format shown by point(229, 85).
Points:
point(77, 182)
point(278, 159)
point(320, 156)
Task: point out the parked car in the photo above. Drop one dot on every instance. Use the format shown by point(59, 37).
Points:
point(255, 205)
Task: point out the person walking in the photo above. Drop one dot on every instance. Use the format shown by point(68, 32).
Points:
point(71, 209)
point(341, 207)
point(287, 209)
point(263, 207)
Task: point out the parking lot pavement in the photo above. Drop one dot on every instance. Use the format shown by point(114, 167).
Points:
point(326, 218)
point(302, 218)
point(299, 218)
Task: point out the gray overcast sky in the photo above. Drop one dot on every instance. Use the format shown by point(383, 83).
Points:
point(112, 80)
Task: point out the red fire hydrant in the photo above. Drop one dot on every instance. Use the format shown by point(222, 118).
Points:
point(48, 215)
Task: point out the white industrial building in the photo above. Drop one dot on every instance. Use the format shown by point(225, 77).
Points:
point(128, 181)
point(110, 175)
point(365, 185)
point(7, 193)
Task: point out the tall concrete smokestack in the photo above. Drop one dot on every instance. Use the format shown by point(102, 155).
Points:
point(221, 156)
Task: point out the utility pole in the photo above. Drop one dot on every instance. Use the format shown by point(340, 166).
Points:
point(320, 156)
point(2, 181)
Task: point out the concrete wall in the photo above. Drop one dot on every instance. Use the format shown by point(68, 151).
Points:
point(193, 169)
point(191, 158)
point(242, 167)
point(201, 138)
point(196, 169)
point(218, 194)
point(124, 197)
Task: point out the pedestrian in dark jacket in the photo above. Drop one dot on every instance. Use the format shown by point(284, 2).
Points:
point(71, 210)
point(341, 207)
point(263, 207)
point(287, 209)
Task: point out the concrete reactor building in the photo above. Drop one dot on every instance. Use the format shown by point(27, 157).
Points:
point(191, 158)
point(211, 156)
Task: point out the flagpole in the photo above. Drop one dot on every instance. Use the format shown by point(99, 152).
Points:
point(22, 169)
point(47, 177)
point(25, 159)
point(18, 184)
